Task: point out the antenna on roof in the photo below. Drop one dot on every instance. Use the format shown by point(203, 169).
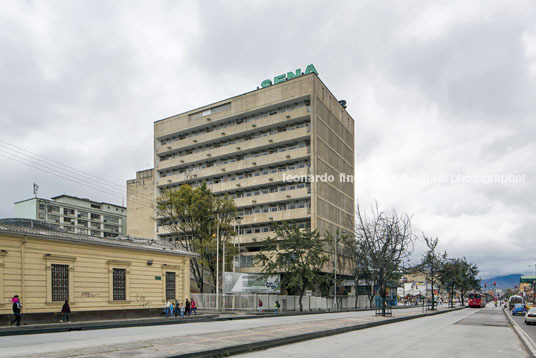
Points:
point(35, 189)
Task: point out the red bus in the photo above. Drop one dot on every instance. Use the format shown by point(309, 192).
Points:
point(476, 299)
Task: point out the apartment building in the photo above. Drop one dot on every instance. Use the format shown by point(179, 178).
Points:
point(249, 146)
point(75, 215)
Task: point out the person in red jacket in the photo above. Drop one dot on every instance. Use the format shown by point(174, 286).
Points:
point(193, 307)
point(66, 310)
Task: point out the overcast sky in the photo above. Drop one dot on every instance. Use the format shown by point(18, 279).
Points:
point(438, 89)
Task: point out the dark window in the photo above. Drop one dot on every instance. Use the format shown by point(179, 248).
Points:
point(60, 282)
point(170, 285)
point(120, 284)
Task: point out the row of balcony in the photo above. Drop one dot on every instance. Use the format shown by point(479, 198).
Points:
point(241, 148)
point(249, 164)
point(261, 218)
point(245, 127)
point(272, 197)
point(242, 129)
point(255, 181)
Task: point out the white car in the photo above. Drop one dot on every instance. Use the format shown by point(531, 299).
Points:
point(530, 316)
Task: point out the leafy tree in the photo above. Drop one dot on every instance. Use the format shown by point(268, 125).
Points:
point(193, 216)
point(296, 254)
point(383, 242)
point(461, 275)
point(467, 278)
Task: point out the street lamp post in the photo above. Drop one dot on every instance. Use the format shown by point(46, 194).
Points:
point(335, 269)
point(238, 220)
point(335, 273)
point(218, 265)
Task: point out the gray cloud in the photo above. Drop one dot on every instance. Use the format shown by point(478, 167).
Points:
point(435, 88)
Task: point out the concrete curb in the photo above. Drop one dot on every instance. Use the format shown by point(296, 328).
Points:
point(529, 344)
point(249, 347)
point(89, 325)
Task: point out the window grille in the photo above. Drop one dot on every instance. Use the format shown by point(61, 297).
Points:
point(119, 282)
point(170, 286)
point(60, 282)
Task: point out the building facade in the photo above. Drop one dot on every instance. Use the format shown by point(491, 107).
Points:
point(283, 153)
point(141, 205)
point(75, 215)
point(96, 274)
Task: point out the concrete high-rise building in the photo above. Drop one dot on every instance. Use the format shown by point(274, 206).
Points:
point(249, 146)
point(76, 215)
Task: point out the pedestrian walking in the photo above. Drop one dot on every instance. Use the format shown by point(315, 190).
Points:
point(66, 310)
point(177, 308)
point(187, 307)
point(260, 305)
point(169, 307)
point(276, 307)
point(182, 308)
point(194, 308)
point(16, 310)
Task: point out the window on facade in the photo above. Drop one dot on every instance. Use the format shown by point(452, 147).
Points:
point(119, 284)
point(246, 261)
point(60, 282)
point(170, 286)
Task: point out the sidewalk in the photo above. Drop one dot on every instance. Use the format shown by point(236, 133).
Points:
point(223, 343)
point(202, 316)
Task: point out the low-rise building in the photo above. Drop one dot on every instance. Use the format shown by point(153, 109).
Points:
point(101, 277)
point(76, 215)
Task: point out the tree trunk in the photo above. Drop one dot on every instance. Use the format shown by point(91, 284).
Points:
point(302, 291)
point(432, 281)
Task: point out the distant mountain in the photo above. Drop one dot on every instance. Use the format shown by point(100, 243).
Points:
point(508, 281)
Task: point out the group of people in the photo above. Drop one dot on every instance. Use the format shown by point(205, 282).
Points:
point(277, 306)
point(179, 309)
point(65, 310)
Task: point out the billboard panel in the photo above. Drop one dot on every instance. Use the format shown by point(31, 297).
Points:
point(234, 282)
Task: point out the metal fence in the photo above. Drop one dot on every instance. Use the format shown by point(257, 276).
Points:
point(250, 302)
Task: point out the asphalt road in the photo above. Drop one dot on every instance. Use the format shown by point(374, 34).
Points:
point(467, 333)
point(530, 329)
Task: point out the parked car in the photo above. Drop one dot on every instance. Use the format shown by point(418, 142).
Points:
point(530, 316)
point(519, 309)
point(529, 305)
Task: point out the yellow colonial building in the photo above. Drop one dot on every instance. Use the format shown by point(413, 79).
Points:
point(101, 277)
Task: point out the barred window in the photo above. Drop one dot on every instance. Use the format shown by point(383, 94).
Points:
point(60, 282)
point(170, 285)
point(119, 284)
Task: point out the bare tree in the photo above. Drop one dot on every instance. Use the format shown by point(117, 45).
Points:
point(383, 242)
point(432, 262)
